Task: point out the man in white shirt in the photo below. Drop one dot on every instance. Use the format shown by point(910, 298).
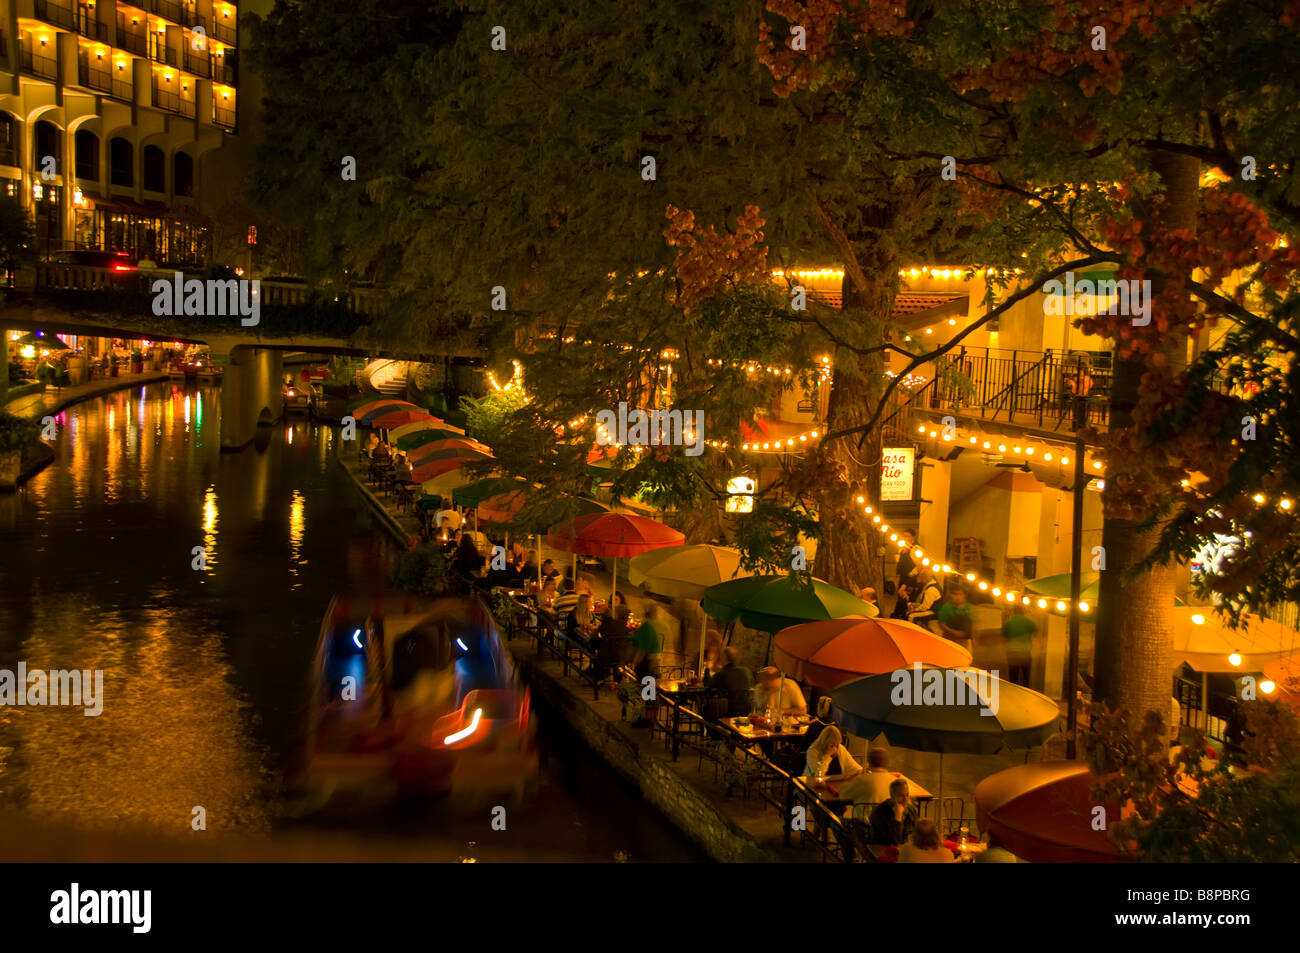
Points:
point(871, 786)
point(782, 695)
point(448, 519)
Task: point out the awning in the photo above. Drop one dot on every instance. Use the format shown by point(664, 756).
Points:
point(175, 213)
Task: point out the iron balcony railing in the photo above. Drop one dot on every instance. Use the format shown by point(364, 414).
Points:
point(223, 70)
point(165, 55)
point(56, 13)
point(1034, 388)
point(198, 63)
point(123, 89)
point(94, 77)
point(133, 41)
point(168, 9)
point(89, 26)
point(223, 30)
point(223, 116)
point(167, 99)
point(39, 64)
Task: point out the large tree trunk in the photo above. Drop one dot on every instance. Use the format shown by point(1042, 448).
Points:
point(1134, 646)
point(848, 551)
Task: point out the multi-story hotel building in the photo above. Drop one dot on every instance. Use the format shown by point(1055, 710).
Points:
point(109, 111)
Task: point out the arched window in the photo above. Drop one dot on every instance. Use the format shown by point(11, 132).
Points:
point(8, 140)
point(48, 140)
point(154, 163)
point(183, 174)
point(121, 157)
point(86, 145)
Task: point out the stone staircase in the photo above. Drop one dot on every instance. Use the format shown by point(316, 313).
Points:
point(387, 377)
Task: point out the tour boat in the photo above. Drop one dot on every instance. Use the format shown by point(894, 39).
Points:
point(415, 697)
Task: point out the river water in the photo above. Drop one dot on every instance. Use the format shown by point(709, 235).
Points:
point(208, 671)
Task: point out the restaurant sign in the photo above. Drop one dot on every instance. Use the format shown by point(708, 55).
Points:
point(897, 467)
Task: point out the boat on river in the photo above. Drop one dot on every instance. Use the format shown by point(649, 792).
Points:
point(416, 697)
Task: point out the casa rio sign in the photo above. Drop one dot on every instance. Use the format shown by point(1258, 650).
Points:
point(897, 469)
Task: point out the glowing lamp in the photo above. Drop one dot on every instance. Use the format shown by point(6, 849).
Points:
point(1234, 659)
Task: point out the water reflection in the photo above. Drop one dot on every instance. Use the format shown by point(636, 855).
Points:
point(205, 672)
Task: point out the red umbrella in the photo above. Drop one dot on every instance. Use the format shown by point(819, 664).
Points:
point(1044, 812)
point(398, 417)
point(613, 534)
point(830, 652)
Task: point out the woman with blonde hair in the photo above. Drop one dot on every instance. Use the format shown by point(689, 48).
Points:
point(830, 746)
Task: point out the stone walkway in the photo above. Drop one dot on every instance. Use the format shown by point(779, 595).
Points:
point(55, 399)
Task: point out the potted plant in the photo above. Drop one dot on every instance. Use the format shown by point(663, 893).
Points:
point(16, 435)
point(137, 361)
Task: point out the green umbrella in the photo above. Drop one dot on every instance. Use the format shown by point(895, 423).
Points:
point(430, 434)
point(770, 603)
point(1058, 588)
point(472, 494)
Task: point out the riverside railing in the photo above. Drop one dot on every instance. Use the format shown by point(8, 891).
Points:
point(681, 725)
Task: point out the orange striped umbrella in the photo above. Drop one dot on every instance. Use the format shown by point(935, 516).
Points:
point(830, 652)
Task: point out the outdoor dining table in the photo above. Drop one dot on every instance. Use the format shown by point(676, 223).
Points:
point(828, 794)
point(742, 730)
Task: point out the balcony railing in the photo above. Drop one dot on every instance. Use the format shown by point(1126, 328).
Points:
point(56, 13)
point(133, 41)
point(8, 156)
point(198, 63)
point(223, 70)
point(94, 77)
point(223, 116)
point(39, 63)
point(223, 30)
point(1031, 388)
point(167, 99)
point(123, 89)
point(165, 55)
point(88, 26)
point(168, 9)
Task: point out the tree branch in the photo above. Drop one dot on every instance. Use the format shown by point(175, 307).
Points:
point(1032, 288)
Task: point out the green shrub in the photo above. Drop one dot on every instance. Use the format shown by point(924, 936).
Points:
point(16, 433)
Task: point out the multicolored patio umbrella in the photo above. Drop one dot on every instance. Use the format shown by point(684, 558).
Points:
point(1044, 813)
point(457, 459)
point(441, 449)
point(828, 654)
point(366, 416)
point(416, 435)
point(399, 418)
point(613, 534)
point(367, 404)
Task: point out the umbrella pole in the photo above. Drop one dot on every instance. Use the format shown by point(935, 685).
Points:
point(704, 631)
point(613, 586)
point(539, 561)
